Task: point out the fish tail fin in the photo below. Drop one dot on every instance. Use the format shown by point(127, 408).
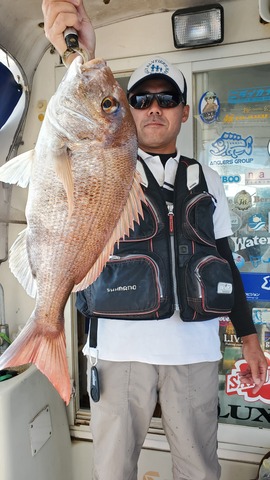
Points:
point(46, 351)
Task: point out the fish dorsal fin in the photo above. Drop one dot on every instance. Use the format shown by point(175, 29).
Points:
point(130, 214)
point(65, 175)
point(19, 264)
point(18, 169)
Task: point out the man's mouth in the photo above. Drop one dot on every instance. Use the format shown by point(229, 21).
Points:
point(154, 123)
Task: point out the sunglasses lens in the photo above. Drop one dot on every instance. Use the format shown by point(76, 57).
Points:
point(140, 101)
point(168, 100)
point(165, 100)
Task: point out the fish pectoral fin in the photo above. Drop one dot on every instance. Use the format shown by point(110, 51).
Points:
point(130, 214)
point(65, 175)
point(46, 349)
point(20, 266)
point(18, 170)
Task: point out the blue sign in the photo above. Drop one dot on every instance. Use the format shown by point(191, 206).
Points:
point(257, 286)
point(249, 95)
point(232, 145)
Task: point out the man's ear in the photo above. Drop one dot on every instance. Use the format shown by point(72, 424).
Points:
point(185, 114)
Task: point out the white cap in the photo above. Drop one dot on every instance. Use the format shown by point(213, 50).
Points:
point(159, 67)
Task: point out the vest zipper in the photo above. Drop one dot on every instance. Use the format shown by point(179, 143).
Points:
point(171, 231)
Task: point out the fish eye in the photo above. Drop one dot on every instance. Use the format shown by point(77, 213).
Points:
point(109, 105)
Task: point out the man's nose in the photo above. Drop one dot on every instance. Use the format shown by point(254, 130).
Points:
point(154, 108)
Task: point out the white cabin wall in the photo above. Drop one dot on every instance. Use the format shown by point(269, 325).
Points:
point(152, 34)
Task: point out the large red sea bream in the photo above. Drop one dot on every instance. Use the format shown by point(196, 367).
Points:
point(84, 194)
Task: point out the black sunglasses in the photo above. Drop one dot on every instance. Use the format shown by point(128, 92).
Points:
point(141, 101)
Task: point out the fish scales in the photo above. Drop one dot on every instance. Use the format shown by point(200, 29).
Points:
point(84, 195)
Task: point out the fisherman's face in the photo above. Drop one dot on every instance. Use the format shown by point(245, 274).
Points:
point(157, 127)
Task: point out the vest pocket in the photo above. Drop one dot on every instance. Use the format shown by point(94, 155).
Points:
point(209, 286)
point(129, 287)
point(197, 219)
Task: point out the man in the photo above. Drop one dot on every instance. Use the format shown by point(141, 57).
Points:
point(169, 360)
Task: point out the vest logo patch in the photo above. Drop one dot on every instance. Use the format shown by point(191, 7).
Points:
point(122, 288)
point(225, 288)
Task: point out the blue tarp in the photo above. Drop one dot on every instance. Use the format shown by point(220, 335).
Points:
point(10, 94)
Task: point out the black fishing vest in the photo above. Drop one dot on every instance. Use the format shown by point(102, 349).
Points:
point(170, 254)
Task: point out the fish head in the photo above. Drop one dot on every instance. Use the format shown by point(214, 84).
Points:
point(90, 104)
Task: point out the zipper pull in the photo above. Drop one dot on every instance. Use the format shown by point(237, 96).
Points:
point(171, 219)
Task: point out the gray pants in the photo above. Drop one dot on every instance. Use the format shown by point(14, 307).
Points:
point(188, 396)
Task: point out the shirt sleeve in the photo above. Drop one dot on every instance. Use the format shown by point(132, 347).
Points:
point(221, 217)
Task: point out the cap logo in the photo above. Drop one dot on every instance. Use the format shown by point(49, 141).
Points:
point(157, 66)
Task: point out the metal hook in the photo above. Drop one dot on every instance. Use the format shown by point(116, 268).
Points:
point(72, 42)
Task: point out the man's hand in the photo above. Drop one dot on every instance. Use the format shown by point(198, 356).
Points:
point(58, 15)
point(257, 365)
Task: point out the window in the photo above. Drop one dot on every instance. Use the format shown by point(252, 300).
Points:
point(232, 137)
point(13, 107)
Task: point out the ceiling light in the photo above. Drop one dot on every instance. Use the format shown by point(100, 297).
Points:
point(198, 26)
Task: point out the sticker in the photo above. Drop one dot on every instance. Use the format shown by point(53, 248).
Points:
point(209, 107)
point(254, 252)
point(249, 95)
point(257, 286)
point(267, 340)
point(232, 145)
point(261, 200)
point(236, 221)
point(235, 387)
point(258, 177)
point(256, 222)
point(242, 118)
point(243, 200)
point(266, 283)
point(261, 316)
point(250, 243)
point(238, 260)
point(231, 178)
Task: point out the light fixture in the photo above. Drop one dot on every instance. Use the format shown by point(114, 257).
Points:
point(198, 26)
